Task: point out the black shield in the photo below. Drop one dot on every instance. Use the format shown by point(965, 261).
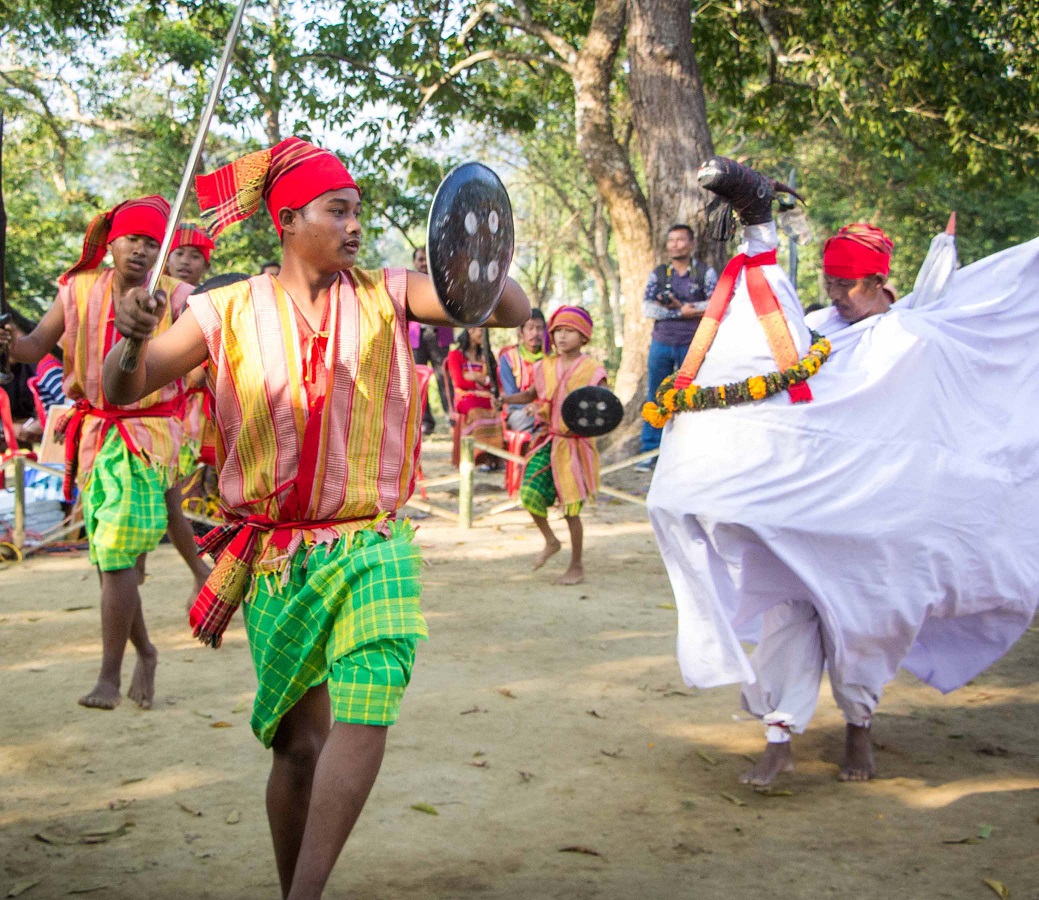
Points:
point(469, 243)
point(592, 411)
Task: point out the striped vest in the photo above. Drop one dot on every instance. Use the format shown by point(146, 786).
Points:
point(368, 439)
point(89, 335)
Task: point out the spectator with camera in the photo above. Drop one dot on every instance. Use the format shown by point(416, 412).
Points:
point(675, 298)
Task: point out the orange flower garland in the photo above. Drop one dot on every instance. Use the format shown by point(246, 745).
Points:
point(670, 401)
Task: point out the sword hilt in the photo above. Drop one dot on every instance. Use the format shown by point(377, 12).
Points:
point(130, 358)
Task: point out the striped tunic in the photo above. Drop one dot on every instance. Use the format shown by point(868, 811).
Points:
point(89, 335)
point(575, 460)
point(368, 444)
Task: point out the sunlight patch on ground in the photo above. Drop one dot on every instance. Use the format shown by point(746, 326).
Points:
point(916, 793)
point(66, 652)
point(44, 798)
point(629, 667)
point(629, 635)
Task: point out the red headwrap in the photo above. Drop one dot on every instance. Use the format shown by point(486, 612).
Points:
point(289, 174)
point(857, 250)
point(192, 236)
point(145, 215)
point(571, 317)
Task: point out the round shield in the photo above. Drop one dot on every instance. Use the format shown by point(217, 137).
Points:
point(592, 411)
point(469, 243)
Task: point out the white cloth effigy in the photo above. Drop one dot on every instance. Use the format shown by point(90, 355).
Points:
point(902, 503)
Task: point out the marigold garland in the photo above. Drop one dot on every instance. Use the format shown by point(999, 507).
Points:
point(757, 387)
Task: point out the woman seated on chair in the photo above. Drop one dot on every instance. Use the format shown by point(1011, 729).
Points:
point(477, 412)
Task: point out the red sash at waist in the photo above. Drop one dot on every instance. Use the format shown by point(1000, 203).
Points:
point(233, 545)
point(73, 427)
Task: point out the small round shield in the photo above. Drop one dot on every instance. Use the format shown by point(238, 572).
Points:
point(469, 243)
point(592, 411)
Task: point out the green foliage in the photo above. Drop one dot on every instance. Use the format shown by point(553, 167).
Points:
point(38, 25)
point(949, 87)
point(894, 113)
point(45, 223)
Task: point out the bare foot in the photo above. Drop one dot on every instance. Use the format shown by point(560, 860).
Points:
point(105, 695)
point(573, 575)
point(142, 685)
point(858, 762)
point(776, 760)
point(551, 549)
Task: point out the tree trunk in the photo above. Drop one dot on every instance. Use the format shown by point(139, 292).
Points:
point(614, 177)
point(670, 116)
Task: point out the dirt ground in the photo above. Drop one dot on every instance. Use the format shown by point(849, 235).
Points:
point(546, 727)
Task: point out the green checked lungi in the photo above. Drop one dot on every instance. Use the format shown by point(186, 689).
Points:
point(538, 491)
point(349, 615)
point(124, 506)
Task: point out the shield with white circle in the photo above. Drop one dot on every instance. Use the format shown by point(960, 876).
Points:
point(592, 411)
point(469, 243)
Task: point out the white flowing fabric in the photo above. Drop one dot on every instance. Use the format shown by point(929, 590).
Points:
point(902, 503)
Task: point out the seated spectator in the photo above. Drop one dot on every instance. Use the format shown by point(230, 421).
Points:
point(476, 409)
point(516, 369)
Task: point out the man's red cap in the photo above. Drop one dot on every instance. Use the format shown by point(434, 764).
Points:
point(289, 174)
point(858, 250)
point(192, 236)
point(145, 215)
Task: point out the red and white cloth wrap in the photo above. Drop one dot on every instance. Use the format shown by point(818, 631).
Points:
point(744, 279)
point(288, 175)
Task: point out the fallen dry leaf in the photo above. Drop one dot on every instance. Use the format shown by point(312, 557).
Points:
point(587, 851)
point(707, 758)
point(20, 887)
point(191, 811)
point(505, 692)
point(595, 714)
point(772, 792)
point(233, 817)
point(475, 709)
point(103, 835)
point(220, 724)
point(88, 889)
point(62, 835)
point(613, 754)
point(479, 763)
point(131, 780)
point(736, 801)
point(1000, 889)
point(425, 808)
